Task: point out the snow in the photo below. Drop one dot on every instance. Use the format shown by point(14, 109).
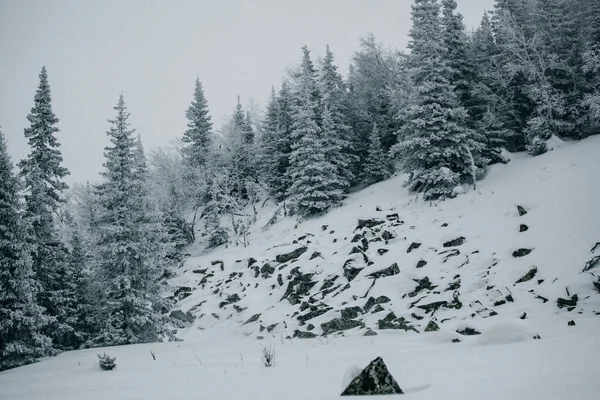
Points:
point(220, 357)
point(218, 365)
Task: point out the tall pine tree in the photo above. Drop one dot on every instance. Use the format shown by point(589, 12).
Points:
point(131, 253)
point(435, 147)
point(197, 138)
point(315, 186)
point(21, 319)
point(43, 175)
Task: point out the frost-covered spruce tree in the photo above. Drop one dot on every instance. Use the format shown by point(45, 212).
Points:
point(43, 175)
point(336, 132)
point(460, 70)
point(315, 187)
point(269, 154)
point(435, 146)
point(131, 249)
point(21, 319)
point(377, 166)
point(279, 180)
point(197, 138)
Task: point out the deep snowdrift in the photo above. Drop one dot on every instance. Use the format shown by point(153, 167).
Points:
point(470, 287)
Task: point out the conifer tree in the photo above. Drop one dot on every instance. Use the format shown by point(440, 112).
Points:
point(315, 185)
point(377, 167)
point(131, 253)
point(435, 146)
point(43, 175)
point(21, 319)
point(336, 131)
point(197, 138)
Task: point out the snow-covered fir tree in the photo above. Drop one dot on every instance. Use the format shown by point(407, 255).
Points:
point(435, 147)
point(131, 249)
point(43, 175)
point(197, 138)
point(21, 320)
point(335, 130)
point(315, 187)
point(377, 166)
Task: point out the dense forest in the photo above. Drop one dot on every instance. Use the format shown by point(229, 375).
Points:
point(85, 266)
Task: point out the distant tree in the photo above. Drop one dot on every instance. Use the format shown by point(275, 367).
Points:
point(197, 138)
point(21, 319)
point(377, 167)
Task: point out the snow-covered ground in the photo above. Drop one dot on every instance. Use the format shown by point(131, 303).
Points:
point(218, 365)
point(245, 304)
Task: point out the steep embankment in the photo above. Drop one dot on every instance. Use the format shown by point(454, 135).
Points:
point(386, 260)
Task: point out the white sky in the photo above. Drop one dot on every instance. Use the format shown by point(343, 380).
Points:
point(153, 50)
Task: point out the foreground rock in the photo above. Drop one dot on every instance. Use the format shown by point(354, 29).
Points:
point(373, 380)
point(282, 258)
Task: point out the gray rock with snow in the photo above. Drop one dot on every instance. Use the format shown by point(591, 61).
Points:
point(375, 379)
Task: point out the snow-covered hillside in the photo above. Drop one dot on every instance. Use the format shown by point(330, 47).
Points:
point(388, 265)
point(386, 260)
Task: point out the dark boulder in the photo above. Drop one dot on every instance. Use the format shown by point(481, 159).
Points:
point(569, 304)
point(375, 379)
point(456, 242)
point(392, 322)
point(304, 335)
point(422, 284)
point(387, 235)
point(523, 228)
point(421, 263)
point(315, 255)
point(252, 319)
point(339, 324)
point(389, 271)
point(522, 211)
point(528, 276)
point(468, 332)
point(521, 252)
point(182, 292)
point(370, 332)
point(251, 261)
point(392, 217)
point(571, 323)
point(382, 251)
point(282, 258)
point(432, 327)
point(368, 223)
point(351, 312)
point(413, 246)
point(267, 270)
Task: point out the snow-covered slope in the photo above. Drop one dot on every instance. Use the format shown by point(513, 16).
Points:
point(221, 357)
point(387, 260)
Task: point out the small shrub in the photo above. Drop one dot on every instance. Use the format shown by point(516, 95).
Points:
point(268, 356)
point(106, 362)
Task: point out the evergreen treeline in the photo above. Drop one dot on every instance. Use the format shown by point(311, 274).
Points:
point(83, 267)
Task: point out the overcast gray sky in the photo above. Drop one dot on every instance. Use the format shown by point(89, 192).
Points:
point(153, 50)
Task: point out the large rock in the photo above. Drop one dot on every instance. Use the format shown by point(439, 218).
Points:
point(422, 284)
point(282, 258)
point(393, 322)
point(368, 223)
point(521, 252)
point(351, 312)
point(456, 242)
point(569, 304)
point(375, 379)
point(350, 272)
point(522, 211)
point(304, 335)
point(413, 246)
point(339, 324)
point(528, 276)
point(389, 271)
